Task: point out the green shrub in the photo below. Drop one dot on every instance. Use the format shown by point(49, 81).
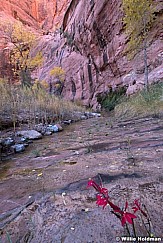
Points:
point(110, 100)
point(142, 103)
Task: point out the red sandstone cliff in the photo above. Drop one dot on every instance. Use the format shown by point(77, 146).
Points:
point(41, 15)
point(92, 51)
point(45, 14)
point(90, 47)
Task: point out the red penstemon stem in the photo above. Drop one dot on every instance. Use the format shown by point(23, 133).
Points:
point(112, 205)
point(127, 228)
point(143, 213)
point(149, 224)
point(116, 214)
point(149, 220)
point(100, 179)
point(134, 230)
point(96, 187)
point(148, 230)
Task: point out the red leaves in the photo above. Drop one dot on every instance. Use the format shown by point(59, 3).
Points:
point(102, 196)
point(137, 207)
point(126, 216)
point(98, 188)
point(114, 207)
point(103, 200)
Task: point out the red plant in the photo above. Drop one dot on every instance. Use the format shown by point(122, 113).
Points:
point(137, 207)
point(98, 188)
point(103, 199)
point(126, 216)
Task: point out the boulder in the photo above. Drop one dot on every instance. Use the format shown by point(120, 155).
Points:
point(67, 122)
point(47, 133)
point(30, 134)
point(52, 128)
point(92, 114)
point(18, 148)
point(7, 142)
point(60, 128)
point(83, 117)
point(40, 128)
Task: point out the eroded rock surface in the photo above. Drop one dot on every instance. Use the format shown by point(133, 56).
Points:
point(45, 14)
point(40, 15)
point(91, 49)
point(46, 199)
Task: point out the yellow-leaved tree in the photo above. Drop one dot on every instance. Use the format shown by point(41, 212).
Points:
point(138, 19)
point(23, 42)
point(57, 82)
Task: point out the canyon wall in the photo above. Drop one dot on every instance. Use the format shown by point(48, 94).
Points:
point(91, 46)
point(44, 14)
point(41, 16)
point(87, 39)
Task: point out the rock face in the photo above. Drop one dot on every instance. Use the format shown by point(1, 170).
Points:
point(90, 46)
point(42, 15)
point(37, 13)
point(91, 50)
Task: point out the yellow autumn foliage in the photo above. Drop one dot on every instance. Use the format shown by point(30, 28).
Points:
point(35, 61)
point(44, 84)
point(23, 41)
point(39, 85)
point(58, 72)
point(138, 19)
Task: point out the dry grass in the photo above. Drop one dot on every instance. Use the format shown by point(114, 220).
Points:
point(142, 104)
point(33, 104)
